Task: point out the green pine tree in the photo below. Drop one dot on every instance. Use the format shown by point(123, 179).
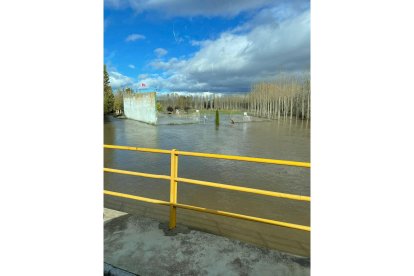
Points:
point(108, 95)
point(217, 117)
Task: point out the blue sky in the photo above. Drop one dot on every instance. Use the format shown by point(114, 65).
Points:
point(216, 45)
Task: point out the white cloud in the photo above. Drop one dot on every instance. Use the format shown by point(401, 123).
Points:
point(134, 37)
point(132, 66)
point(118, 80)
point(276, 39)
point(257, 50)
point(159, 52)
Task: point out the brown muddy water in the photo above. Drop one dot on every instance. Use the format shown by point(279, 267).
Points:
point(277, 139)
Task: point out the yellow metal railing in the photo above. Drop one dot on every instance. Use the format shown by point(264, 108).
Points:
point(174, 179)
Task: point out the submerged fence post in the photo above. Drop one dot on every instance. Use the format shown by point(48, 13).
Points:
point(173, 189)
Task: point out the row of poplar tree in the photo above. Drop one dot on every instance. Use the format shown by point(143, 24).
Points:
point(286, 96)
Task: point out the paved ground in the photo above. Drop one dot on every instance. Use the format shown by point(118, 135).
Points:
point(146, 247)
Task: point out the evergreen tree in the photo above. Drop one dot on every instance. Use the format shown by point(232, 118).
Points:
point(108, 95)
point(217, 117)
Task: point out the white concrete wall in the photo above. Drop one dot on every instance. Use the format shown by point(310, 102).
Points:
point(141, 107)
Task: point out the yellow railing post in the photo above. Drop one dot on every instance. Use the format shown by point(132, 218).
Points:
point(173, 204)
point(173, 189)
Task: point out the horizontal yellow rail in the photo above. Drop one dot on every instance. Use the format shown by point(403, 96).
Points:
point(174, 179)
point(149, 175)
point(206, 210)
point(245, 158)
point(140, 198)
point(137, 149)
point(239, 216)
point(217, 156)
point(212, 184)
point(242, 189)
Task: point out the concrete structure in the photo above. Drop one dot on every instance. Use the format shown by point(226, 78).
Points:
point(144, 246)
point(141, 107)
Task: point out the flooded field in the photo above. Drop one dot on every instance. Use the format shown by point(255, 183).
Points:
point(277, 139)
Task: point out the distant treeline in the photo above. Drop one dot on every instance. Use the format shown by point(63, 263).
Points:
point(286, 96)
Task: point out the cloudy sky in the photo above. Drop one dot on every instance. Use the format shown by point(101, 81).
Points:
point(198, 45)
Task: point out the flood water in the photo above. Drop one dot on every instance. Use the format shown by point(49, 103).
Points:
point(276, 139)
